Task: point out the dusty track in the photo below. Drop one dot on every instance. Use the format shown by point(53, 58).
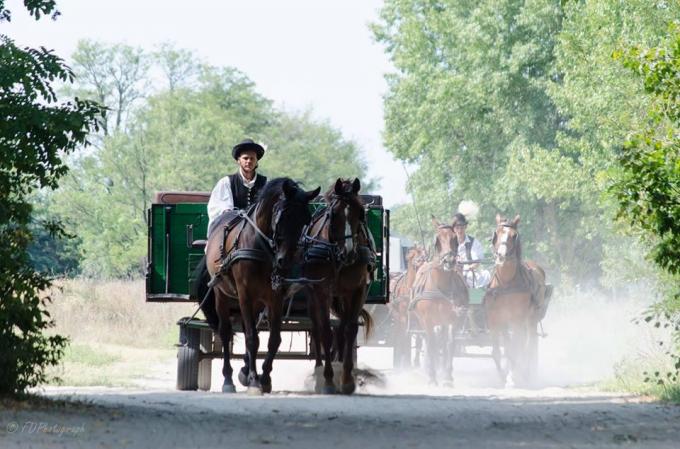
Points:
point(152, 419)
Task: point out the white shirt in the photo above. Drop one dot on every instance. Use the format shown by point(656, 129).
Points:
point(476, 251)
point(221, 198)
point(478, 277)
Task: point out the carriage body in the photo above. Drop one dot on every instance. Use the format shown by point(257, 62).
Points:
point(177, 227)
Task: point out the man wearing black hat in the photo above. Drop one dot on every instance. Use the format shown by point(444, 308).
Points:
point(239, 190)
point(469, 249)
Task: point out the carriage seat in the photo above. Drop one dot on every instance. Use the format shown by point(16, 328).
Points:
point(171, 197)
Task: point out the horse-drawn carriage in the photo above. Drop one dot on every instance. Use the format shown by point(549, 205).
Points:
point(177, 226)
point(458, 320)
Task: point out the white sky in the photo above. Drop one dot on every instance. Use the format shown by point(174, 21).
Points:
point(300, 53)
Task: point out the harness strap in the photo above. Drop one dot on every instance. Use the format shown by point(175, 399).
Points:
point(270, 242)
point(256, 255)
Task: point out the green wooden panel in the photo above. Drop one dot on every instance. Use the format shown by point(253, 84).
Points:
point(476, 295)
point(173, 227)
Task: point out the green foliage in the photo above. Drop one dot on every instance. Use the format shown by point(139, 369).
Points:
point(520, 107)
point(179, 137)
point(648, 186)
point(36, 131)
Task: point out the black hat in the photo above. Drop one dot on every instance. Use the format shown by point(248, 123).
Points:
point(459, 219)
point(247, 145)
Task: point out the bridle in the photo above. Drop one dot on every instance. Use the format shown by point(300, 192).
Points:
point(341, 251)
point(502, 256)
point(447, 261)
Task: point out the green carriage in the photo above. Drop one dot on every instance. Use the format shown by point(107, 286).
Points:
point(177, 226)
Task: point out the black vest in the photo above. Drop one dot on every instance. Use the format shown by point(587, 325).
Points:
point(243, 196)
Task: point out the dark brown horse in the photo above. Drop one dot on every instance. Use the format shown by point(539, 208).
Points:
point(249, 260)
point(338, 249)
point(400, 297)
point(514, 303)
point(439, 296)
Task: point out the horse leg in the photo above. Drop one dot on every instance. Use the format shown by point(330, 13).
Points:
point(351, 317)
point(447, 354)
point(252, 345)
point(225, 332)
point(323, 317)
point(431, 353)
point(496, 355)
point(339, 337)
point(275, 313)
point(418, 350)
point(533, 353)
point(245, 369)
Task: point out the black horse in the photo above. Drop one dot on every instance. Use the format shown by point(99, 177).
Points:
point(248, 259)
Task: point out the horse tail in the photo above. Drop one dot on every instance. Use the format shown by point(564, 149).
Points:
point(368, 322)
point(204, 294)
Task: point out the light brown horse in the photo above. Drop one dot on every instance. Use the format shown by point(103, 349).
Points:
point(338, 249)
point(248, 265)
point(439, 296)
point(514, 303)
point(400, 297)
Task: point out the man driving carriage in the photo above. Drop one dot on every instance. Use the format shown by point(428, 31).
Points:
point(469, 250)
point(238, 190)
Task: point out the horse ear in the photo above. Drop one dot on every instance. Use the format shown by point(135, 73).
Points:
point(498, 219)
point(289, 189)
point(356, 186)
point(313, 194)
point(338, 187)
point(515, 221)
point(435, 222)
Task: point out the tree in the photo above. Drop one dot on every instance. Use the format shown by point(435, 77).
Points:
point(36, 131)
point(312, 151)
point(518, 106)
point(647, 185)
point(180, 138)
point(115, 76)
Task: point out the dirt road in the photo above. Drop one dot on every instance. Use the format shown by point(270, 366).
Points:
point(162, 419)
point(393, 410)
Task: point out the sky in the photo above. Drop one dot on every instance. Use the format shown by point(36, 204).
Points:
point(302, 54)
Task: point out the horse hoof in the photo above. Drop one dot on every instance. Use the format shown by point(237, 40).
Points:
point(254, 391)
point(329, 389)
point(447, 384)
point(243, 378)
point(228, 388)
point(348, 388)
point(266, 387)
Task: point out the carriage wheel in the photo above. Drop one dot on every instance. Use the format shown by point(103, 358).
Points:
point(188, 358)
point(205, 364)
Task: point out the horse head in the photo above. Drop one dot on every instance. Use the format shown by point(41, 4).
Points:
point(289, 206)
point(505, 240)
point(444, 246)
point(345, 215)
point(416, 257)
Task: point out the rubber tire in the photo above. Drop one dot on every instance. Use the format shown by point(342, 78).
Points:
point(188, 358)
point(205, 364)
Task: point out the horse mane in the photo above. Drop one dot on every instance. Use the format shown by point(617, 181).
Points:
point(271, 191)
